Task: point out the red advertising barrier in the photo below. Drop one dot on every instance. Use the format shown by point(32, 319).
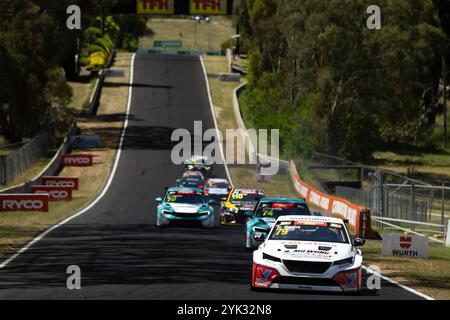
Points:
point(78, 160)
point(54, 193)
point(24, 202)
point(358, 217)
point(61, 182)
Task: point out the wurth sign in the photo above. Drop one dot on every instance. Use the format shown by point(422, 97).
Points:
point(54, 193)
point(208, 7)
point(411, 246)
point(78, 160)
point(70, 182)
point(155, 7)
point(24, 202)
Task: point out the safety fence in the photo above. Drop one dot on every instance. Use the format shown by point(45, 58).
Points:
point(23, 158)
point(52, 168)
point(396, 206)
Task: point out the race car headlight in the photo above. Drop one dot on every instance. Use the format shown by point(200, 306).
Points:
point(204, 213)
point(271, 258)
point(233, 210)
point(190, 167)
point(343, 262)
point(166, 212)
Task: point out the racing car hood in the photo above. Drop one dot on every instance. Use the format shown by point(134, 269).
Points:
point(308, 251)
point(185, 208)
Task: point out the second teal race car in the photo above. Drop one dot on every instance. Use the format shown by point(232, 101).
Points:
point(186, 205)
point(263, 218)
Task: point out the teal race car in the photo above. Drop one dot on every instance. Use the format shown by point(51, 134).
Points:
point(263, 218)
point(185, 205)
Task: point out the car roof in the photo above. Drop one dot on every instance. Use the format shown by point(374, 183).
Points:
point(192, 174)
point(184, 189)
point(215, 180)
point(310, 218)
point(283, 200)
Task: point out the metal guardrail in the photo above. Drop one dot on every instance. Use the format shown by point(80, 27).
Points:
point(386, 222)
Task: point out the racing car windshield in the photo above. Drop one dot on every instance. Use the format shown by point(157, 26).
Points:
point(193, 180)
point(245, 197)
point(218, 185)
point(310, 231)
point(185, 197)
point(278, 209)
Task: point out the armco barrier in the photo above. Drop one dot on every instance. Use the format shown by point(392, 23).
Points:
point(358, 217)
point(245, 136)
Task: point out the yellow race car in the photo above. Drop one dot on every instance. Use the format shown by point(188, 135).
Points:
point(239, 201)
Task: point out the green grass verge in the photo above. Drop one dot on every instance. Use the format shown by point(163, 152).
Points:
point(194, 36)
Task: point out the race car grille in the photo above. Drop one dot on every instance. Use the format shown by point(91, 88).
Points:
point(307, 266)
point(307, 281)
point(185, 215)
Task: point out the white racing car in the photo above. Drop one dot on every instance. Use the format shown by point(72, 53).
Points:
point(308, 253)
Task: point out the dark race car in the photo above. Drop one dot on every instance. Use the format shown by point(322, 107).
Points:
point(239, 202)
point(191, 179)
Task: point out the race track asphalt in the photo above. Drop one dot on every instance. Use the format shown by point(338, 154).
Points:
point(122, 255)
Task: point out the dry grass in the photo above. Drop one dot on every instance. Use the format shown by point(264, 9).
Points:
point(195, 36)
point(431, 276)
point(81, 94)
point(19, 228)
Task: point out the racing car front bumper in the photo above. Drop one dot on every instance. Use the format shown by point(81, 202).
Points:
point(232, 218)
point(206, 220)
point(275, 275)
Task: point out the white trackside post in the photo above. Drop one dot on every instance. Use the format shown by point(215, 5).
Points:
point(447, 241)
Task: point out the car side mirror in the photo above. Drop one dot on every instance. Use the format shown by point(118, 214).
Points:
point(248, 214)
point(159, 200)
point(358, 242)
point(259, 237)
point(212, 202)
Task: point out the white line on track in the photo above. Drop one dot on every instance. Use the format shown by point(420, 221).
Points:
point(105, 189)
point(404, 287)
point(214, 118)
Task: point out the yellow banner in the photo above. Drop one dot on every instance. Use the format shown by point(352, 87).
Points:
point(208, 7)
point(155, 7)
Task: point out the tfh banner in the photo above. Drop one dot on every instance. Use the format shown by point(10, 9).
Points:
point(155, 7)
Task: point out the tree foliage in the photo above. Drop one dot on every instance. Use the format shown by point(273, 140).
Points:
point(333, 85)
point(37, 55)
